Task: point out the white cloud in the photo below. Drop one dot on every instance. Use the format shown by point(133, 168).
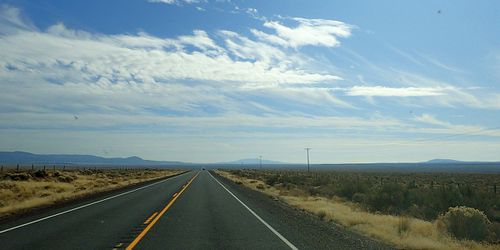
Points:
point(318, 32)
point(77, 71)
point(123, 57)
point(429, 119)
point(254, 13)
point(309, 96)
point(273, 39)
point(453, 130)
point(400, 92)
point(200, 39)
point(247, 49)
point(11, 20)
point(432, 91)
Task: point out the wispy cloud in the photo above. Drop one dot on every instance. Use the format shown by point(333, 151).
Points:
point(318, 32)
point(400, 82)
point(11, 19)
point(254, 13)
point(397, 92)
point(439, 126)
point(429, 119)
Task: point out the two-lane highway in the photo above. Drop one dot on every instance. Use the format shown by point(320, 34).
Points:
point(207, 216)
point(195, 210)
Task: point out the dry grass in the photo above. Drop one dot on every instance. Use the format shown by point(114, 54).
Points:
point(402, 232)
point(52, 187)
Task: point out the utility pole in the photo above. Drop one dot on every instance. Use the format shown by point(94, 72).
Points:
point(307, 150)
point(260, 161)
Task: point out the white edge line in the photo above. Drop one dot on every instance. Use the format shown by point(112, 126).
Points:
point(84, 206)
point(288, 243)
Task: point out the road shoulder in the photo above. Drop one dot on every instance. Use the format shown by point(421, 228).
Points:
point(305, 230)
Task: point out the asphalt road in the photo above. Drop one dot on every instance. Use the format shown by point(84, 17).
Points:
point(196, 210)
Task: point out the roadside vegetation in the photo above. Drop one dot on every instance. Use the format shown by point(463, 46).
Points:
point(408, 210)
point(23, 190)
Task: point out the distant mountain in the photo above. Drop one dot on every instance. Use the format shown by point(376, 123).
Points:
point(19, 157)
point(451, 161)
point(252, 161)
point(444, 161)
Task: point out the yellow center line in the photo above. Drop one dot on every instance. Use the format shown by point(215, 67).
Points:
point(150, 218)
point(162, 212)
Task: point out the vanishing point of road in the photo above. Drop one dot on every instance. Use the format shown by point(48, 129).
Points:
point(194, 210)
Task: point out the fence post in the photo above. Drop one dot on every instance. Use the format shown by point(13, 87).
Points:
point(54, 168)
point(64, 167)
point(32, 167)
point(1, 169)
point(43, 167)
point(17, 168)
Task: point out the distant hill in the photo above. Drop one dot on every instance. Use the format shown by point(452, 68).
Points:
point(451, 161)
point(252, 161)
point(444, 161)
point(19, 157)
point(435, 165)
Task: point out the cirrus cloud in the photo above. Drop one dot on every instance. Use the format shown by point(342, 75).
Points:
point(401, 92)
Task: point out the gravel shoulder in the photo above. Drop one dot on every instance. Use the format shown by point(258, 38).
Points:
point(304, 230)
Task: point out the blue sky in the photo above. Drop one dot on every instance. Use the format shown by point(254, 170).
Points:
point(210, 81)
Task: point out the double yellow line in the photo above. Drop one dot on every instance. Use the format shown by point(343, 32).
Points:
point(162, 212)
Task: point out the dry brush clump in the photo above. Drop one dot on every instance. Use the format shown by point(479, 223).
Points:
point(465, 223)
point(403, 231)
point(24, 190)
